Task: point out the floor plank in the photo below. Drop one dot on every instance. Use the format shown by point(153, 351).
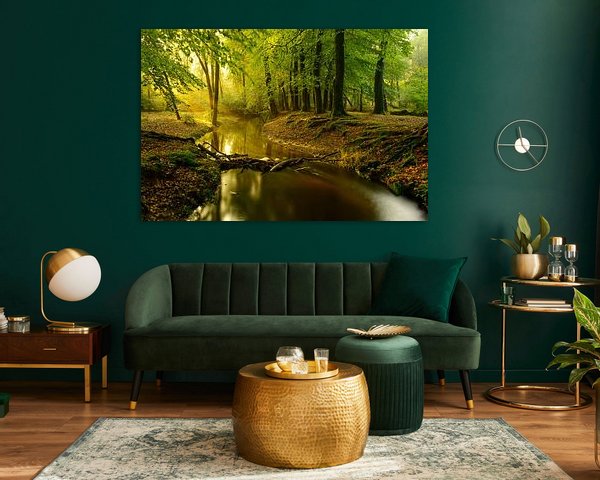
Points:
point(46, 417)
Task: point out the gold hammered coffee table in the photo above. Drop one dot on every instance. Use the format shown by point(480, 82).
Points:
point(301, 423)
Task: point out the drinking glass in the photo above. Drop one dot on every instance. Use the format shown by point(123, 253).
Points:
point(287, 356)
point(300, 367)
point(507, 295)
point(321, 359)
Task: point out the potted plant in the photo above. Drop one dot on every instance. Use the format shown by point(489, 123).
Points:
point(584, 354)
point(526, 262)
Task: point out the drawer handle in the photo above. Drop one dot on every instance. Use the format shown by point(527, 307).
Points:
point(50, 349)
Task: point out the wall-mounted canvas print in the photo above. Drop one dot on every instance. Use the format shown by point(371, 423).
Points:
point(284, 124)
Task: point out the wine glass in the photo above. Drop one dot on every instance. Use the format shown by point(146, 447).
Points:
point(571, 255)
point(288, 355)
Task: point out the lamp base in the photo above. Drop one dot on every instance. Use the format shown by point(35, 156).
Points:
point(82, 327)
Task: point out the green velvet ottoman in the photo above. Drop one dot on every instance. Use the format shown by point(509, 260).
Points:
point(394, 370)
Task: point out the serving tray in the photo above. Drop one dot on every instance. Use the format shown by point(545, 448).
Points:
point(273, 370)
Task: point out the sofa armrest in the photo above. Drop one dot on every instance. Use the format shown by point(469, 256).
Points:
point(149, 298)
point(462, 307)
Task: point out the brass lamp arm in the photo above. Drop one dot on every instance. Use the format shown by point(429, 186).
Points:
point(53, 322)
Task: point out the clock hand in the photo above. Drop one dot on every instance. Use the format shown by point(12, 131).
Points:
point(521, 138)
point(535, 160)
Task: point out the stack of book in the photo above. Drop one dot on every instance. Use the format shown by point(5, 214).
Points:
point(543, 303)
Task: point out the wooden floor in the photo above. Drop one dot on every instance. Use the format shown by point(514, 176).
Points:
point(46, 417)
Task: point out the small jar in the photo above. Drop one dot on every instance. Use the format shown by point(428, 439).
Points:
point(3, 320)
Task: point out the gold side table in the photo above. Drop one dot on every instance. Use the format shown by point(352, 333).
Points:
point(301, 423)
point(581, 400)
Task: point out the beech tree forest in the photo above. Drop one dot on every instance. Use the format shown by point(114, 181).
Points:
point(284, 124)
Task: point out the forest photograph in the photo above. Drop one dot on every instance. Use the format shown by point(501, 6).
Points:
point(284, 124)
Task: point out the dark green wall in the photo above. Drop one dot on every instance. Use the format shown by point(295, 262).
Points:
point(70, 142)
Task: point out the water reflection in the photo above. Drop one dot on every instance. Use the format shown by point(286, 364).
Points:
point(312, 191)
point(317, 192)
point(245, 136)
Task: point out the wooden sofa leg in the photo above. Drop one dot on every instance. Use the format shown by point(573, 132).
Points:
point(465, 379)
point(159, 377)
point(138, 376)
point(441, 377)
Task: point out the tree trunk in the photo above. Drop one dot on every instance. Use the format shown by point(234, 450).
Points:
point(295, 90)
point(172, 101)
point(317, 74)
point(269, 85)
point(379, 95)
point(338, 81)
point(305, 94)
point(360, 100)
point(216, 82)
point(207, 74)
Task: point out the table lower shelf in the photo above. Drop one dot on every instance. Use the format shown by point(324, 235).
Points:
point(584, 399)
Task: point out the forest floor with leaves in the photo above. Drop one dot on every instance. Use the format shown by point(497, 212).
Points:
point(176, 177)
point(388, 149)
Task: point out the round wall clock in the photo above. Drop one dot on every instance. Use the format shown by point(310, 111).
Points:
point(522, 145)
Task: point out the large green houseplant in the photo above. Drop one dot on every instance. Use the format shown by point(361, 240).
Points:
point(585, 352)
point(527, 263)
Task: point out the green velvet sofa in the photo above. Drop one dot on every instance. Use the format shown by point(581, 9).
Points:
point(208, 316)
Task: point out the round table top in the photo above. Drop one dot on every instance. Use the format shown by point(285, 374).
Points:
point(544, 282)
point(257, 371)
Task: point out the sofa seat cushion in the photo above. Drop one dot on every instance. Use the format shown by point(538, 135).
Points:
point(224, 342)
point(298, 325)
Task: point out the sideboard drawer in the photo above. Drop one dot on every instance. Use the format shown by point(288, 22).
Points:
point(45, 349)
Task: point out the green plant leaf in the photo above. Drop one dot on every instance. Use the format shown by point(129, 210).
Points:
point(535, 243)
point(517, 236)
point(567, 359)
point(560, 344)
point(544, 227)
point(586, 345)
point(509, 243)
point(529, 249)
point(524, 227)
point(578, 373)
point(587, 314)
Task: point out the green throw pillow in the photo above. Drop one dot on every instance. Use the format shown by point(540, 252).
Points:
point(418, 287)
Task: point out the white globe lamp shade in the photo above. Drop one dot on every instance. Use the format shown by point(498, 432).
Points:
point(73, 274)
point(76, 280)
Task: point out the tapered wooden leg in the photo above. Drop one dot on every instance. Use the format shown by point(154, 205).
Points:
point(159, 377)
point(465, 379)
point(105, 371)
point(138, 376)
point(87, 382)
point(441, 377)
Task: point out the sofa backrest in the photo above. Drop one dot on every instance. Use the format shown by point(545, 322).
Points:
point(274, 288)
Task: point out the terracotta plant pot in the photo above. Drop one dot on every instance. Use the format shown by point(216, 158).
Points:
point(597, 431)
point(529, 266)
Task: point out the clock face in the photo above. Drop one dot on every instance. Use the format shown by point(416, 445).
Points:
point(522, 145)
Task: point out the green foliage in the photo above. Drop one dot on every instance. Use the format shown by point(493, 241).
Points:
point(184, 60)
point(164, 67)
point(587, 350)
point(183, 158)
point(523, 243)
point(189, 119)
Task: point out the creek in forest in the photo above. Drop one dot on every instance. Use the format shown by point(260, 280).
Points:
point(312, 190)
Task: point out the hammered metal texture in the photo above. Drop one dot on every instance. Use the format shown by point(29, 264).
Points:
point(301, 424)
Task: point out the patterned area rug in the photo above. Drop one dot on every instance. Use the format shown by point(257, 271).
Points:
point(190, 448)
